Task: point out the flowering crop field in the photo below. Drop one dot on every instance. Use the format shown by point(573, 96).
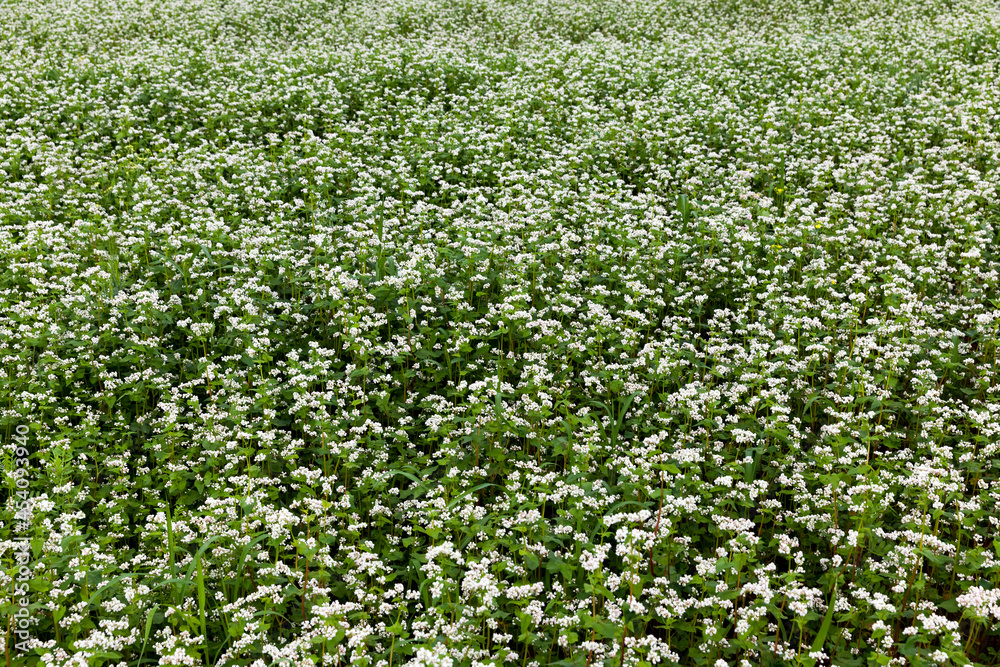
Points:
point(483, 332)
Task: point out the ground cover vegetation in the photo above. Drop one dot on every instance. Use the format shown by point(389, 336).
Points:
point(476, 332)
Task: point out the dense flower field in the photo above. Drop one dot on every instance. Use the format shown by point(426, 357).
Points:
point(476, 332)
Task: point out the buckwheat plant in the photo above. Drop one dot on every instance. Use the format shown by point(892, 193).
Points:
point(464, 333)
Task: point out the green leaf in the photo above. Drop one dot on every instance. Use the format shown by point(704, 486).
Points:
point(750, 469)
point(405, 474)
point(145, 634)
point(825, 628)
point(201, 604)
point(934, 558)
point(97, 594)
point(471, 491)
point(606, 630)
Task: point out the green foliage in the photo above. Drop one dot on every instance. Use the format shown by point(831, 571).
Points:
point(554, 333)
